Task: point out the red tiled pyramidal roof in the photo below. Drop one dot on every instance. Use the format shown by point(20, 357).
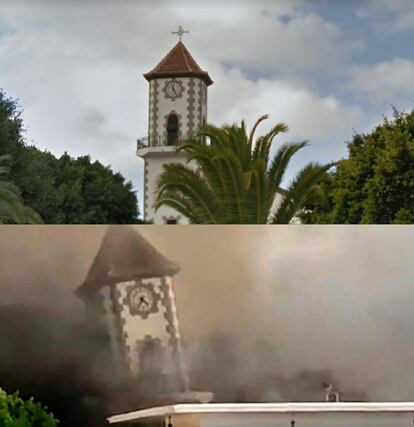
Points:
point(125, 255)
point(178, 63)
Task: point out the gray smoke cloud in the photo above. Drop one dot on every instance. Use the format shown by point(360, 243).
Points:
point(266, 313)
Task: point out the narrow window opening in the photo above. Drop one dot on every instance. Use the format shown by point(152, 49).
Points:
point(172, 129)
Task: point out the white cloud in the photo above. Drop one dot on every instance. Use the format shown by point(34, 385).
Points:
point(308, 115)
point(394, 16)
point(71, 64)
point(390, 82)
point(265, 43)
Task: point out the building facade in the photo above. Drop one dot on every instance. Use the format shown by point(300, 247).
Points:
point(303, 414)
point(178, 90)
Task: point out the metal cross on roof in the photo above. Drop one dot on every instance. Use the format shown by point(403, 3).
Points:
point(180, 32)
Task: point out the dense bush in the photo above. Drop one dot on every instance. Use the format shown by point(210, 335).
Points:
point(15, 412)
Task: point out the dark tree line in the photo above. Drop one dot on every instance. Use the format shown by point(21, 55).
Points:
point(63, 190)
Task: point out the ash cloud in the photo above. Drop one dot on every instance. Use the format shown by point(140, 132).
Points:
point(269, 315)
point(57, 362)
point(222, 364)
point(47, 350)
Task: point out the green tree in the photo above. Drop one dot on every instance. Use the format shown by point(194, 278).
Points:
point(64, 190)
point(237, 179)
point(375, 184)
point(92, 193)
point(16, 412)
point(12, 208)
point(35, 172)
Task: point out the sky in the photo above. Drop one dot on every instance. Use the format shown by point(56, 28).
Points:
point(296, 298)
point(327, 69)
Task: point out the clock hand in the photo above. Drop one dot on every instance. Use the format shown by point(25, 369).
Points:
point(142, 300)
point(173, 88)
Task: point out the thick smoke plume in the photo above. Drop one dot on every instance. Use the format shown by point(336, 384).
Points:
point(266, 314)
point(222, 364)
point(58, 362)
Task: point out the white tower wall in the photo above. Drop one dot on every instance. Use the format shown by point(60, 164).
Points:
point(190, 107)
point(153, 167)
point(130, 330)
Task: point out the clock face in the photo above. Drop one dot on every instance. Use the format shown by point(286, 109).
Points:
point(141, 300)
point(174, 89)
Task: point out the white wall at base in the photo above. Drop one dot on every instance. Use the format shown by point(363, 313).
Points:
point(304, 414)
point(305, 420)
point(154, 169)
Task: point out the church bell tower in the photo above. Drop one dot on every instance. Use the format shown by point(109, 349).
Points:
point(128, 294)
point(177, 108)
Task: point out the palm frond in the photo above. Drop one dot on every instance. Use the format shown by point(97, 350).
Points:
point(187, 184)
point(252, 132)
point(235, 180)
point(256, 202)
point(280, 163)
point(300, 191)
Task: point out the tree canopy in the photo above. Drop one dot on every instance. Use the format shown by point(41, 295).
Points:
point(63, 190)
point(375, 183)
point(16, 412)
point(237, 179)
point(12, 208)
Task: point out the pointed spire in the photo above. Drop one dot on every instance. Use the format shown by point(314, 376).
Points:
point(178, 63)
point(125, 255)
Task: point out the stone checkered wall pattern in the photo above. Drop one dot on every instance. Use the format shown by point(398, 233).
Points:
point(154, 94)
point(115, 333)
point(171, 317)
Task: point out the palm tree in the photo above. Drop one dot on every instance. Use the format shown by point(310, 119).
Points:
point(12, 208)
point(236, 180)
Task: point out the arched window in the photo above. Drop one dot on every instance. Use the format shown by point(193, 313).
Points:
point(172, 129)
